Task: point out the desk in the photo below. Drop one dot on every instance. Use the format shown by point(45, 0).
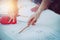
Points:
point(47, 28)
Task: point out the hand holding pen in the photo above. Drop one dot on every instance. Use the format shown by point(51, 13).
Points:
point(30, 22)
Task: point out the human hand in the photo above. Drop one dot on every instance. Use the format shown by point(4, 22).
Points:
point(12, 15)
point(33, 19)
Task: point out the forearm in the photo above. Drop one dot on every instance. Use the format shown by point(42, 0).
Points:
point(44, 5)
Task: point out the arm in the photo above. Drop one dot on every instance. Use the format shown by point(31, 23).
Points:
point(44, 5)
point(13, 11)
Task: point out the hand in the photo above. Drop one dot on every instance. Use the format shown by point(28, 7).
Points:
point(33, 19)
point(12, 15)
point(12, 18)
point(34, 9)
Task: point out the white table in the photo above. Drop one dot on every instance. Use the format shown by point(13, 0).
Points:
point(47, 28)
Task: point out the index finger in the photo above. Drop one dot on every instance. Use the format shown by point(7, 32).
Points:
point(29, 22)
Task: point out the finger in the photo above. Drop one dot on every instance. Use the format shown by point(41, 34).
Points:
point(13, 19)
point(29, 22)
point(9, 20)
point(34, 22)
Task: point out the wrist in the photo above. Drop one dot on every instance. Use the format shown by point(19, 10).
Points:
point(38, 12)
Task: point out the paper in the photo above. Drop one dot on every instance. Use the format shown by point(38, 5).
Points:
point(46, 28)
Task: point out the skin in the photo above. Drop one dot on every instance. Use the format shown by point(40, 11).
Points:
point(13, 12)
point(44, 5)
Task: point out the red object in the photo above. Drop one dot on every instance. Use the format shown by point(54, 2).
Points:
point(13, 21)
point(5, 20)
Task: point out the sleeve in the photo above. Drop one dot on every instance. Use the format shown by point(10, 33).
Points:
point(52, 1)
point(55, 6)
point(37, 1)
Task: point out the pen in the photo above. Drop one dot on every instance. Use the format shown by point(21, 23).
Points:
point(24, 29)
point(30, 23)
